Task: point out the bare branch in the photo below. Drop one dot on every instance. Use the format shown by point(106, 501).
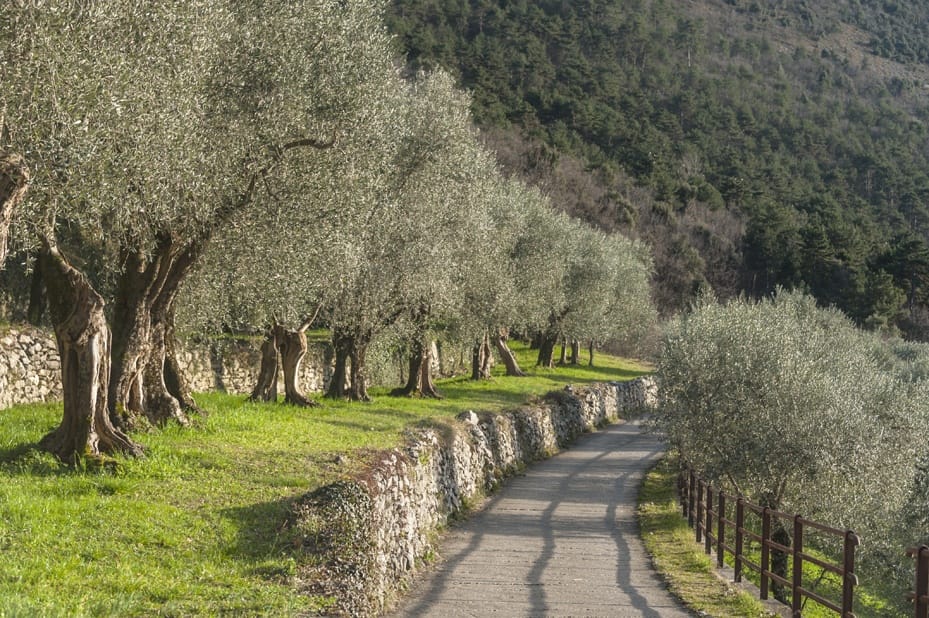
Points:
point(305, 325)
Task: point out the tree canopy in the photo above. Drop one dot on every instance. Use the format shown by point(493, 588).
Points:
point(248, 164)
point(795, 408)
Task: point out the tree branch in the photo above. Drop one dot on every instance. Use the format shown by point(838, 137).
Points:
point(279, 151)
point(305, 325)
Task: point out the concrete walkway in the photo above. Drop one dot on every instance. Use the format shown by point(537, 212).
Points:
point(560, 541)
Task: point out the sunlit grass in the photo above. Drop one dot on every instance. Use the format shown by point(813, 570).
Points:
point(680, 560)
point(196, 527)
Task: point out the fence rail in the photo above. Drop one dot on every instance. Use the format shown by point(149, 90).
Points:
point(708, 513)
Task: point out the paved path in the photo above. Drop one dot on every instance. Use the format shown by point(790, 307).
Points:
point(560, 541)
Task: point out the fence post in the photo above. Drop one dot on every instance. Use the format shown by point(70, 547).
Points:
point(849, 580)
point(739, 524)
point(690, 499)
point(682, 492)
point(796, 602)
point(765, 552)
point(920, 603)
point(698, 528)
point(708, 527)
point(720, 529)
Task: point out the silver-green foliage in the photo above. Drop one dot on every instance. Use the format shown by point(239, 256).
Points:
point(791, 405)
point(142, 117)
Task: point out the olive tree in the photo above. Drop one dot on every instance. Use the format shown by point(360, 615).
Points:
point(603, 290)
point(444, 170)
point(146, 127)
point(609, 295)
point(789, 405)
point(512, 274)
point(405, 240)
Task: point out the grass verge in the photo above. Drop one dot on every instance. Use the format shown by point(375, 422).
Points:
point(197, 526)
point(670, 542)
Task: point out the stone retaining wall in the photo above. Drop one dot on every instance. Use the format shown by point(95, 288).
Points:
point(363, 537)
point(30, 369)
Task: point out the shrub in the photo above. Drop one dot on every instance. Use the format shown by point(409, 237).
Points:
point(792, 406)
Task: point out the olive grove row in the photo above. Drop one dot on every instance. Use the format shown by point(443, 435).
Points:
point(254, 162)
point(795, 408)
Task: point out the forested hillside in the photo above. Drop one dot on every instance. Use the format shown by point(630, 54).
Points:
point(753, 144)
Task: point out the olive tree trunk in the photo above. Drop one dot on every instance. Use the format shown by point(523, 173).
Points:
point(506, 354)
point(14, 182)
point(174, 376)
point(590, 349)
point(292, 347)
point(549, 340)
point(358, 389)
point(547, 351)
point(266, 388)
point(142, 326)
point(575, 352)
point(480, 361)
point(282, 349)
point(781, 536)
point(419, 380)
point(349, 376)
point(84, 348)
point(338, 384)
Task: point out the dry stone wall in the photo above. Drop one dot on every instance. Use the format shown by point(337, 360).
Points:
point(30, 369)
point(364, 537)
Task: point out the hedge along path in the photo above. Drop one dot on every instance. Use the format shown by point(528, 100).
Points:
point(562, 540)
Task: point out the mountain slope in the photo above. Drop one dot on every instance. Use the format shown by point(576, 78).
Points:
point(753, 144)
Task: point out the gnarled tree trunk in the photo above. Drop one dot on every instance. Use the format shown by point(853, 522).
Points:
point(575, 351)
point(143, 322)
point(358, 389)
point(283, 348)
point(590, 348)
point(563, 359)
point(84, 347)
point(160, 406)
point(480, 364)
point(506, 354)
point(341, 345)
point(349, 377)
point(549, 340)
point(131, 337)
point(14, 182)
point(292, 346)
point(174, 377)
point(266, 388)
point(420, 380)
point(546, 352)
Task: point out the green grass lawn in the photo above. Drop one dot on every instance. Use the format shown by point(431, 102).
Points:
point(197, 526)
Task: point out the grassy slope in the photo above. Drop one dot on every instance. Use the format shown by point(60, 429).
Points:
point(196, 526)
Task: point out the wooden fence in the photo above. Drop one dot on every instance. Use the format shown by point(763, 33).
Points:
point(724, 522)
